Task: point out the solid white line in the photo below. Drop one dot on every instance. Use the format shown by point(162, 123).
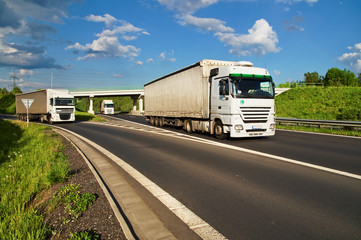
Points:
point(186, 215)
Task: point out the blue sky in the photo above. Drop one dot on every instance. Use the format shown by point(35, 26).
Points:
point(113, 44)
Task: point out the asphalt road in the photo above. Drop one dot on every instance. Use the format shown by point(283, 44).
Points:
point(245, 195)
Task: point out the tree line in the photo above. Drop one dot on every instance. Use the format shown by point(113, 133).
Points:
point(334, 77)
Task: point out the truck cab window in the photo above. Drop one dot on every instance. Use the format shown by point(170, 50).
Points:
point(223, 87)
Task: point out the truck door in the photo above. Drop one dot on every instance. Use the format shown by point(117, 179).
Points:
point(220, 96)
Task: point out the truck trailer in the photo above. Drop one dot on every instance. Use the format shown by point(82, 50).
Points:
point(222, 98)
point(51, 105)
point(107, 107)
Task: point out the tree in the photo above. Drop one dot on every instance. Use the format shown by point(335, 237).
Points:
point(312, 77)
point(337, 77)
point(359, 79)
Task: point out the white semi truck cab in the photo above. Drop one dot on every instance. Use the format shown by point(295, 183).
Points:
point(223, 98)
point(242, 101)
point(107, 107)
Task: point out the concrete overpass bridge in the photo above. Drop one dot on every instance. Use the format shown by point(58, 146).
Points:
point(134, 94)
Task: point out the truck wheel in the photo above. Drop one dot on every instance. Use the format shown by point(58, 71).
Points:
point(188, 126)
point(151, 120)
point(156, 121)
point(218, 130)
point(161, 121)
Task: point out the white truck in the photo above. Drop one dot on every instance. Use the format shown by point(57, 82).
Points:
point(107, 107)
point(52, 105)
point(220, 97)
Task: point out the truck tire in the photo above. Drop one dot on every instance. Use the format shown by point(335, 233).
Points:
point(151, 121)
point(50, 119)
point(188, 126)
point(156, 121)
point(218, 130)
point(161, 121)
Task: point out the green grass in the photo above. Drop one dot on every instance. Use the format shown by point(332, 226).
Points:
point(320, 130)
point(75, 202)
point(331, 103)
point(30, 160)
point(83, 116)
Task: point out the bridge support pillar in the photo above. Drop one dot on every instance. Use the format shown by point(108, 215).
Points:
point(91, 97)
point(141, 104)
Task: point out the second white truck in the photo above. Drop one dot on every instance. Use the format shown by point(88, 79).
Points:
point(107, 107)
point(220, 97)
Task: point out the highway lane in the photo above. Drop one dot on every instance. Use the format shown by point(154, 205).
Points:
point(336, 152)
point(244, 196)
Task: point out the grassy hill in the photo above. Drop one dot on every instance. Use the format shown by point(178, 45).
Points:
point(331, 103)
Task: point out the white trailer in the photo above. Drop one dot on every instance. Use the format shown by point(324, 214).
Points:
point(220, 97)
point(52, 105)
point(107, 107)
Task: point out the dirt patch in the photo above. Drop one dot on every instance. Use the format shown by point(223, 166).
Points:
point(98, 218)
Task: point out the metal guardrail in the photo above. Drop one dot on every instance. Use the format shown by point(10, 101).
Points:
point(348, 125)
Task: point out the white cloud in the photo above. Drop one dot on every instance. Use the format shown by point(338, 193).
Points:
point(277, 72)
point(205, 24)
point(260, 40)
point(290, 2)
point(186, 6)
point(26, 73)
point(353, 58)
point(118, 75)
point(108, 44)
point(107, 19)
point(163, 56)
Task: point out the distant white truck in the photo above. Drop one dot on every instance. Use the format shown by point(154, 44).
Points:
point(107, 107)
point(220, 97)
point(51, 105)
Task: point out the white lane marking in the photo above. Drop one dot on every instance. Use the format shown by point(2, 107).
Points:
point(194, 222)
point(240, 149)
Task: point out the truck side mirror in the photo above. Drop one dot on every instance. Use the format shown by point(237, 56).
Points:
point(51, 101)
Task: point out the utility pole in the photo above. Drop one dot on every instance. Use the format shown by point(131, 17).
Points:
point(13, 78)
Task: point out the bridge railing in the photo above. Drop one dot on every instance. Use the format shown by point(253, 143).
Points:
point(347, 125)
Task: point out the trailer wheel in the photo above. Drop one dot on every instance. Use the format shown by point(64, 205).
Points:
point(151, 120)
point(156, 121)
point(218, 130)
point(161, 121)
point(188, 126)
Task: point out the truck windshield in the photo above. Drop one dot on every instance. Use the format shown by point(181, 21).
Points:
point(108, 105)
point(64, 101)
point(252, 87)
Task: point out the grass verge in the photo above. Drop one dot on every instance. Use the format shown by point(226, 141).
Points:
point(83, 116)
point(320, 130)
point(30, 161)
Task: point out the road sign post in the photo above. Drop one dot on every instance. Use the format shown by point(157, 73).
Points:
point(27, 104)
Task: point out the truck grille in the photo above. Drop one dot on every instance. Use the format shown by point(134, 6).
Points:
point(64, 116)
point(255, 114)
point(65, 110)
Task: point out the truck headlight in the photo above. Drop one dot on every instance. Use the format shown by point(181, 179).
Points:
point(238, 127)
point(272, 127)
